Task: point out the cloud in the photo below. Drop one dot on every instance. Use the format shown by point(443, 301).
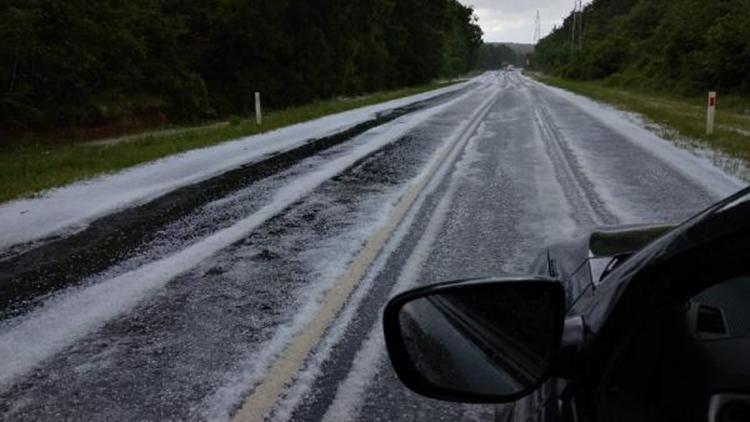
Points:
point(513, 21)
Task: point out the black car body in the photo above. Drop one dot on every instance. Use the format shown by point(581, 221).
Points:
point(657, 324)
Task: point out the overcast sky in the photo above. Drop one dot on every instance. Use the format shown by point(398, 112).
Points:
point(513, 20)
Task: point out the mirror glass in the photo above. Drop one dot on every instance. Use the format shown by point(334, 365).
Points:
point(488, 339)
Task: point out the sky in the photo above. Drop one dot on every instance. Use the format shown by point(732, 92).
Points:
point(513, 20)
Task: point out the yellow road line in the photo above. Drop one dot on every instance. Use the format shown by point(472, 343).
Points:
point(262, 399)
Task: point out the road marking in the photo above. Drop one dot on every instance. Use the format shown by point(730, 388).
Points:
point(264, 396)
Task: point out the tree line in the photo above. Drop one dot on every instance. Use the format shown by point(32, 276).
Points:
point(83, 62)
point(685, 46)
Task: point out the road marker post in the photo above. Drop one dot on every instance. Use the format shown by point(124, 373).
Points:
point(711, 113)
point(258, 112)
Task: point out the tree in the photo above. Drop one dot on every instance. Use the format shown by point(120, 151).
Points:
point(684, 45)
point(85, 62)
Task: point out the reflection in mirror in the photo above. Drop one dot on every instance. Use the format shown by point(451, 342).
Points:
point(493, 339)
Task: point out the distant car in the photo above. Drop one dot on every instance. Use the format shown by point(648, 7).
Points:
point(639, 323)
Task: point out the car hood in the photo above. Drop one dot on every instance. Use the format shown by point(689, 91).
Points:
point(567, 260)
point(726, 217)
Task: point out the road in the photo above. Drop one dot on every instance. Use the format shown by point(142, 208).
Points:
point(258, 292)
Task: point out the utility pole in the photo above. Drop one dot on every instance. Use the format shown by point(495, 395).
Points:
point(537, 28)
point(574, 27)
point(577, 27)
point(580, 24)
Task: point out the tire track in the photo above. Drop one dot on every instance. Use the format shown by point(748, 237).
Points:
point(31, 272)
point(65, 319)
point(264, 396)
point(579, 190)
point(208, 326)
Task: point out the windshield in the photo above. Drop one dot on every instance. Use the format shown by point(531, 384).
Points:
point(206, 204)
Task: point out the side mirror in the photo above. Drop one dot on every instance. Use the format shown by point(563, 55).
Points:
point(476, 341)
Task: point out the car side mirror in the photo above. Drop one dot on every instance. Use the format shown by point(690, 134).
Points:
point(476, 341)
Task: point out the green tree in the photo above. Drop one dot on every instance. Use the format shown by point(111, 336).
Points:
point(684, 45)
point(86, 62)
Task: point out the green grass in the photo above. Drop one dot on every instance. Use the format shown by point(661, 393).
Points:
point(680, 119)
point(32, 165)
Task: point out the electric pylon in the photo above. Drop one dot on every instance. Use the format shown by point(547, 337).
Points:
point(537, 28)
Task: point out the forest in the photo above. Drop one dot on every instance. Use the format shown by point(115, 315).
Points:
point(87, 62)
point(681, 46)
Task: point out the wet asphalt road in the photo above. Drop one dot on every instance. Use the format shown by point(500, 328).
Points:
point(536, 170)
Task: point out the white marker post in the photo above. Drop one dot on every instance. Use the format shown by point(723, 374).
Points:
point(258, 112)
point(711, 114)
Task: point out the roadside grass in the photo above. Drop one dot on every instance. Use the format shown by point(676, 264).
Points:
point(679, 119)
point(31, 165)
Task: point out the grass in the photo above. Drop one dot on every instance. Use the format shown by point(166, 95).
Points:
point(32, 165)
point(680, 119)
